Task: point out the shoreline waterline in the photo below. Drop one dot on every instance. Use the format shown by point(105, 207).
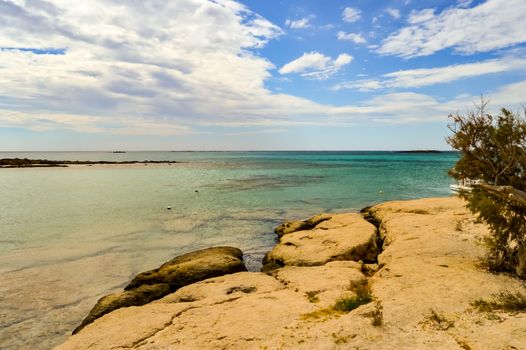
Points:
point(71, 235)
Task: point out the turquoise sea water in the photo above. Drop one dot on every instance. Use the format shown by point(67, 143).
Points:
point(85, 231)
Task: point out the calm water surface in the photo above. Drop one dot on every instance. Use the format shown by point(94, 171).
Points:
point(70, 235)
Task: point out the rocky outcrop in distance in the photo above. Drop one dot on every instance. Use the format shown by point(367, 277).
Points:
point(419, 286)
point(45, 163)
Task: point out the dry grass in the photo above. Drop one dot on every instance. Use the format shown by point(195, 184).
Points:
point(439, 321)
point(344, 304)
point(504, 301)
point(312, 296)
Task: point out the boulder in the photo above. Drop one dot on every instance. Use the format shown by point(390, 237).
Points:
point(193, 267)
point(169, 277)
point(135, 297)
point(342, 237)
point(293, 226)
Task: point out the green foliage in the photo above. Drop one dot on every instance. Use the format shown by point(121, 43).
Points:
point(493, 149)
point(346, 304)
point(363, 296)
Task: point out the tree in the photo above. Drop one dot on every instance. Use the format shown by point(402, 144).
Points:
point(493, 150)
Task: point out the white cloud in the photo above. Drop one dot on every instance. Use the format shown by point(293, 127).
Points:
point(351, 14)
point(169, 68)
point(316, 65)
point(395, 13)
point(421, 16)
point(130, 65)
point(491, 25)
point(362, 85)
point(414, 78)
point(354, 37)
point(464, 3)
point(300, 23)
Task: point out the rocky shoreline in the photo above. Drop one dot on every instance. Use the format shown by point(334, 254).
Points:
point(46, 163)
point(398, 275)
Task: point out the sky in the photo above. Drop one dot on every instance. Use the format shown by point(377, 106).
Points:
point(253, 74)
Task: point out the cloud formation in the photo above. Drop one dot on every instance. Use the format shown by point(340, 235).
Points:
point(299, 24)
point(491, 25)
point(395, 13)
point(173, 68)
point(125, 65)
point(315, 65)
point(353, 37)
point(351, 14)
point(415, 78)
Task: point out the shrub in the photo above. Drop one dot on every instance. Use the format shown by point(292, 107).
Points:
point(493, 150)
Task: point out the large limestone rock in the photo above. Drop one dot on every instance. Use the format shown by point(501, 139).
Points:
point(342, 237)
point(299, 225)
point(193, 267)
point(176, 273)
point(229, 312)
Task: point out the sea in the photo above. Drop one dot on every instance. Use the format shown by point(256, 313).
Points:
point(69, 236)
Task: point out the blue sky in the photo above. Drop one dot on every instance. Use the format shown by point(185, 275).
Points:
point(252, 75)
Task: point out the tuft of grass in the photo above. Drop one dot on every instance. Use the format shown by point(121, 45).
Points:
point(377, 316)
point(344, 304)
point(338, 339)
point(351, 303)
point(319, 314)
point(439, 321)
point(312, 296)
point(504, 301)
point(463, 344)
point(363, 296)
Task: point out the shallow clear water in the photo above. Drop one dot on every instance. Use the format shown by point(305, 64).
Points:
point(88, 230)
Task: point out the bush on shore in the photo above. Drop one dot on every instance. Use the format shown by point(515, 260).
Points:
point(493, 150)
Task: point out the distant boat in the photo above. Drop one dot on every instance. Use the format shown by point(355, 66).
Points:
point(118, 152)
point(464, 185)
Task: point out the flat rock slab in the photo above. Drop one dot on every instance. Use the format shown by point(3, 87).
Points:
point(229, 312)
point(342, 237)
point(323, 284)
point(176, 273)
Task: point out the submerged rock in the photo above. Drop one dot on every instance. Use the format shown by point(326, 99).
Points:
point(169, 277)
point(293, 226)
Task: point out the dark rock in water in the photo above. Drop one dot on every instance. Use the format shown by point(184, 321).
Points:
point(176, 273)
point(293, 226)
point(135, 297)
point(193, 267)
point(36, 163)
